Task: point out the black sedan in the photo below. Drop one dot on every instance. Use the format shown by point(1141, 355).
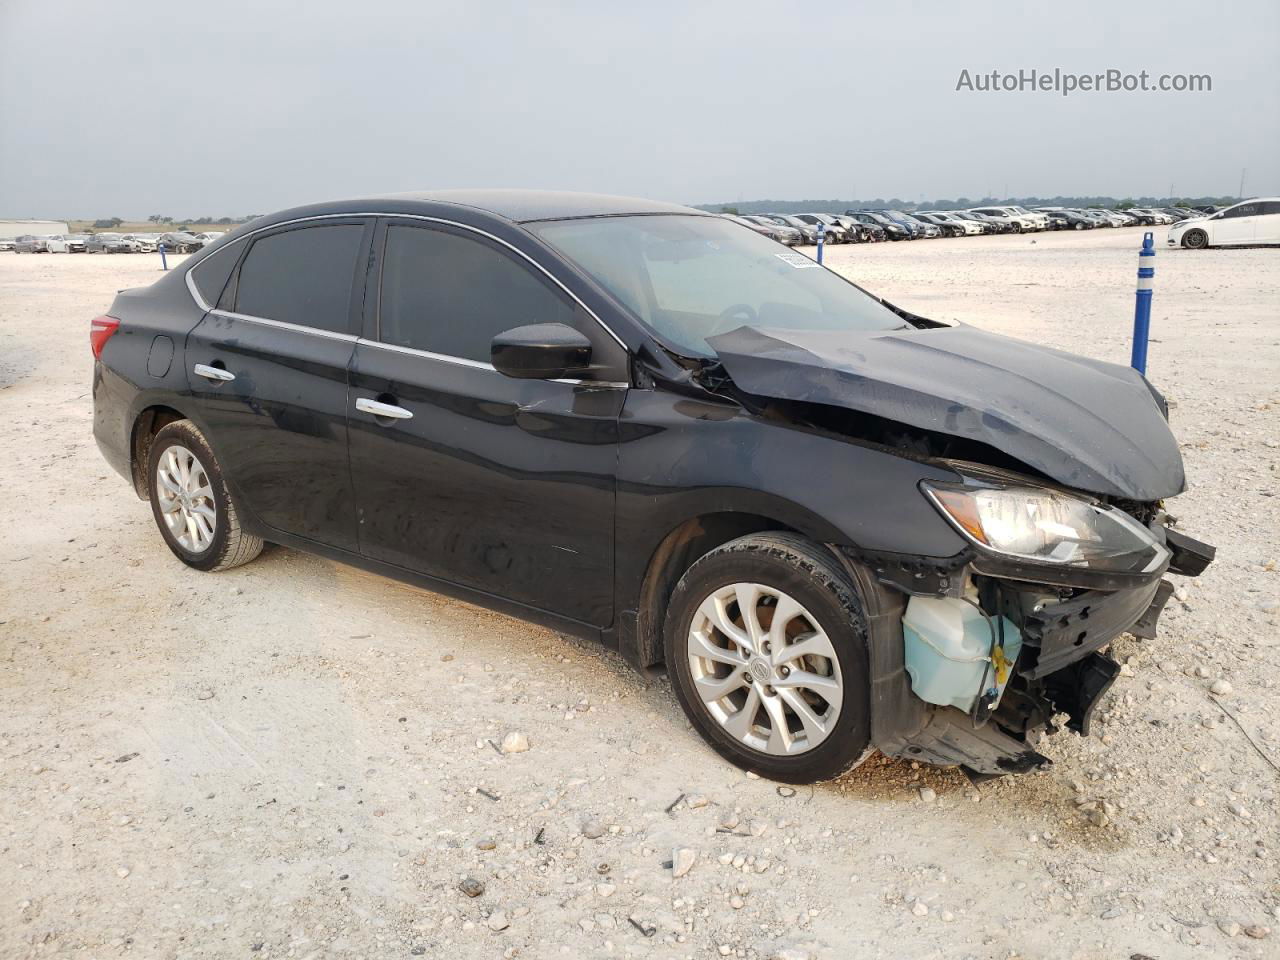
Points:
point(822, 223)
point(110, 243)
point(1061, 218)
point(842, 526)
point(950, 226)
point(861, 232)
point(808, 232)
point(772, 229)
point(892, 229)
point(181, 242)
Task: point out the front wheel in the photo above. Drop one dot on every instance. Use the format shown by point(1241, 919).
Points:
point(1195, 240)
point(766, 643)
point(190, 503)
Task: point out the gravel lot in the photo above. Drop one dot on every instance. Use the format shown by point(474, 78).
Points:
point(296, 759)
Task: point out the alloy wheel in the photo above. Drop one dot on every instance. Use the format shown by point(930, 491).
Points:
point(186, 501)
point(764, 669)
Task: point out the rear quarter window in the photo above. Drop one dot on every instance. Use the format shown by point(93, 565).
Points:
point(211, 274)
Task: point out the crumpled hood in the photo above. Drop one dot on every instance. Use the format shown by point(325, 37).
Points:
point(1089, 425)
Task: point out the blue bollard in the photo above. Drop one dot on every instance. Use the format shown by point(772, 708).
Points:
point(164, 264)
point(1142, 309)
point(822, 233)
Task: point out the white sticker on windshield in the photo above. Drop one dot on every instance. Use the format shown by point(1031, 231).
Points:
point(797, 260)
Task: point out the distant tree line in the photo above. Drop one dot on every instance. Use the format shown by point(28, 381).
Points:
point(179, 223)
point(959, 203)
point(225, 221)
point(174, 223)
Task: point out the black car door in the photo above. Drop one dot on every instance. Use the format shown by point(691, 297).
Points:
point(268, 370)
point(500, 485)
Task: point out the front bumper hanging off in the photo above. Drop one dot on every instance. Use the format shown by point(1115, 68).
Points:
point(1063, 667)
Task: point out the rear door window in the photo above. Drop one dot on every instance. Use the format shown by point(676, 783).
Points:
point(303, 276)
point(1244, 210)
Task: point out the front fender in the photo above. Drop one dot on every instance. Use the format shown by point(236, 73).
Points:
point(681, 458)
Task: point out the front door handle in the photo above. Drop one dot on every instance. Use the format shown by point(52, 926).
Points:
point(213, 373)
point(369, 405)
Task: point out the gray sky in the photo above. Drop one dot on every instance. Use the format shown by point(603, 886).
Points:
point(224, 107)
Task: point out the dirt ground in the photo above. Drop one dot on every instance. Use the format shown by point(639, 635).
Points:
point(296, 759)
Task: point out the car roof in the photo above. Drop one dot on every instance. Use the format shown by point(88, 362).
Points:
point(508, 206)
point(523, 206)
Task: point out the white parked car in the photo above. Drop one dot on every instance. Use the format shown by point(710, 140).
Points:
point(1041, 219)
point(1003, 215)
point(1024, 218)
point(67, 244)
point(145, 241)
point(971, 228)
point(209, 236)
point(1251, 222)
point(1112, 218)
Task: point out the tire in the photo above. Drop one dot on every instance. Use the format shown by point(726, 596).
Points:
point(203, 542)
point(780, 571)
point(1195, 240)
point(1079, 226)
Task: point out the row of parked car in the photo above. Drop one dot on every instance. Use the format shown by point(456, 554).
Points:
point(174, 242)
point(864, 226)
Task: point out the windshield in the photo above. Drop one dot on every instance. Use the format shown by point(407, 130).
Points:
point(688, 278)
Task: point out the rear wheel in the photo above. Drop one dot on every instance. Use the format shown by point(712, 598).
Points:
point(766, 643)
point(190, 502)
point(1195, 239)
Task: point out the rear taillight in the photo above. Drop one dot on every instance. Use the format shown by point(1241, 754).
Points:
point(100, 331)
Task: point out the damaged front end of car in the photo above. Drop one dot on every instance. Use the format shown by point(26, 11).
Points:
point(1061, 466)
point(974, 657)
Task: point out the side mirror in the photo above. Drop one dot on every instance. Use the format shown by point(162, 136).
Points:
point(541, 351)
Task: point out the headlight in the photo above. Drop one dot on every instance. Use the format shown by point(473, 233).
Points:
point(1047, 527)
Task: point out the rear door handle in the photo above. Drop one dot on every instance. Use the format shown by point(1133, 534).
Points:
point(212, 373)
point(369, 405)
